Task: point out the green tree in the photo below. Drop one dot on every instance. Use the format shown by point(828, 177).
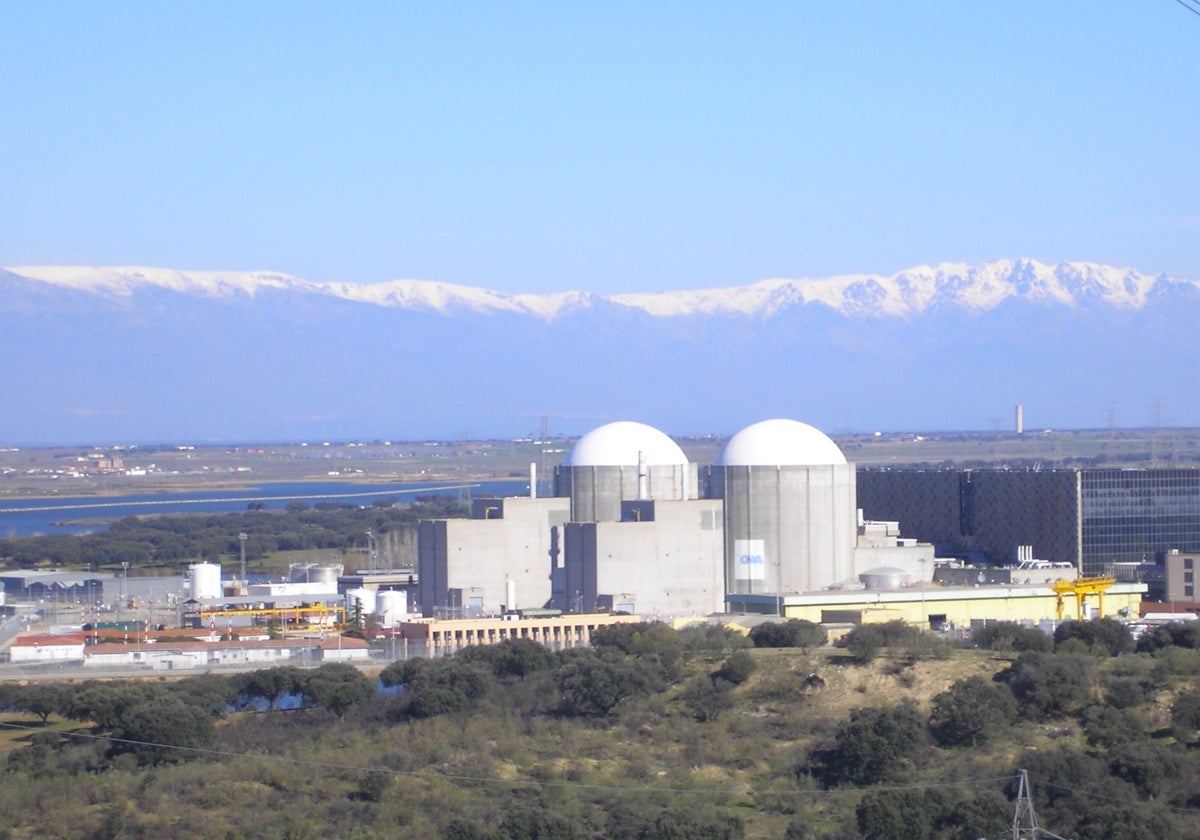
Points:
point(874, 745)
point(41, 700)
point(1008, 635)
point(708, 698)
point(1149, 766)
point(703, 639)
point(592, 685)
point(336, 687)
point(794, 632)
point(1185, 715)
point(512, 657)
point(1107, 727)
point(737, 668)
point(894, 815)
point(1052, 685)
point(1184, 634)
point(864, 643)
point(972, 711)
point(1104, 636)
point(162, 731)
point(435, 687)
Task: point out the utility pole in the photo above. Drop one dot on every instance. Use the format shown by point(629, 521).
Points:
point(242, 537)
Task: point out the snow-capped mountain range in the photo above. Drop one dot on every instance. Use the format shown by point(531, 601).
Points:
point(904, 294)
point(152, 354)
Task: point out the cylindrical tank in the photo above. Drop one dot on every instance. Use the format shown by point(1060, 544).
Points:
point(204, 580)
point(883, 578)
point(366, 597)
point(790, 514)
point(391, 606)
point(325, 574)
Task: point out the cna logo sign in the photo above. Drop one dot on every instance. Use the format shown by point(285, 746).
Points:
point(751, 560)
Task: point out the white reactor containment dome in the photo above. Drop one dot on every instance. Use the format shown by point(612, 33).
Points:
point(780, 443)
point(624, 444)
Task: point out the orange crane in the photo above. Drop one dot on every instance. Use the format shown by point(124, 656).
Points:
point(1081, 587)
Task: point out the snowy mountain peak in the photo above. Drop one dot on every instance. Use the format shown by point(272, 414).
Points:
point(905, 294)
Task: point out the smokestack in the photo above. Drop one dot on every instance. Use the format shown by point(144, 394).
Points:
point(1020, 419)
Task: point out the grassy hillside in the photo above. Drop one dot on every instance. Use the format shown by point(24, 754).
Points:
point(512, 743)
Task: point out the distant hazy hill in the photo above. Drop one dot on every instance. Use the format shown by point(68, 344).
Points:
point(147, 354)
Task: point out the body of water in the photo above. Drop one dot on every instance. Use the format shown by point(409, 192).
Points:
point(79, 515)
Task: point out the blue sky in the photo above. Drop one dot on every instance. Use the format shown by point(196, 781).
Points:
point(538, 147)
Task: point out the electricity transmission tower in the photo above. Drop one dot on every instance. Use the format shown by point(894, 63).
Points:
point(1025, 823)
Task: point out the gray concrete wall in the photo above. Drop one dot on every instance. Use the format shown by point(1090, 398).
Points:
point(596, 493)
point(670, 566)
point(804, 518)
point(481, 556)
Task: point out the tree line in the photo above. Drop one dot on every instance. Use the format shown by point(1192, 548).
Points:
point(650, 733)
point(172, 541)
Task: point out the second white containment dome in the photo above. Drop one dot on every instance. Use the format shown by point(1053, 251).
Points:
point(780, 443)
point(790, 516)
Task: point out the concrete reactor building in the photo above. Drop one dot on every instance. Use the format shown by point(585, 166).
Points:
point(635, 527)
point(789, 511)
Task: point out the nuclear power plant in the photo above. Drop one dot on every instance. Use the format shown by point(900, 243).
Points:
point(773, 526)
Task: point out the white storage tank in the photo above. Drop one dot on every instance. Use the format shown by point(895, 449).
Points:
point(364, 596)
point(883, 578)
point(326, 574)
point(391, 606)
point(204, 580)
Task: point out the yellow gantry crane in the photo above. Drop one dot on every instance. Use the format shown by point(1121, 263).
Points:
point(1082, 587)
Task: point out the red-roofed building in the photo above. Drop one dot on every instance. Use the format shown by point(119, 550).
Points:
point(47, 648)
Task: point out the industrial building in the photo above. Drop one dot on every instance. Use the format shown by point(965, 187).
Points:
point(61, 587)
point(1101, 521)
point(635, 528)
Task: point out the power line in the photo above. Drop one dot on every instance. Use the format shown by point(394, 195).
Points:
point(1194, 10)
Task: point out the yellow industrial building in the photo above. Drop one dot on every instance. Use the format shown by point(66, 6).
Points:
point(941, 606)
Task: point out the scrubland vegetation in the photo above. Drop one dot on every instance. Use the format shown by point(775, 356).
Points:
point(652, 733)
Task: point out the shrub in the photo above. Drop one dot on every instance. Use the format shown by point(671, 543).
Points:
point(737, 668)
point(864, 643)
point(972, 711)
point(512, 657)
point(1107, 727)
point(794, 632)
point(1185, 715)
point(1184, 634)
point(435, 687)
point(1102, 636)
point(1007, 635)
point(1051, 685)
point(593, 685)
point(1124, 693)
point(874, 745)
point(700, 639)
point(336, 687)
point(708, 698)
